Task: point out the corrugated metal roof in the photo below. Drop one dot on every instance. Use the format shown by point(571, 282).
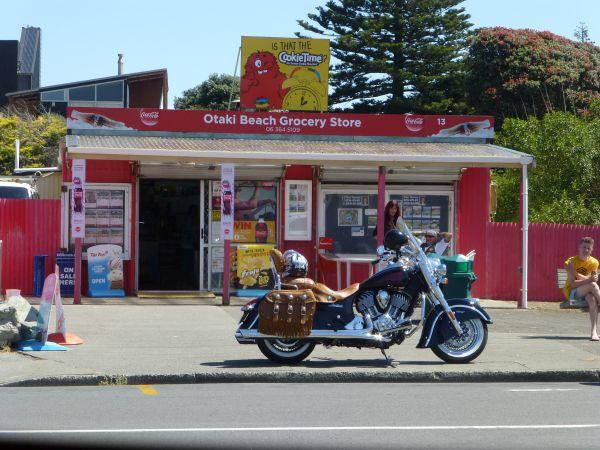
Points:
point(391, 154)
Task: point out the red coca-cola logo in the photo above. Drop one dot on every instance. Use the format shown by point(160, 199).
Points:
point(414, 123)
point(149, 118)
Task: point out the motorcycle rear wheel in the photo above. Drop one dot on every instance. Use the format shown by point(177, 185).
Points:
point(466, 347)
point(285, 351)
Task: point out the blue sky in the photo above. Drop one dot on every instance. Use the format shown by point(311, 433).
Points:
point(80, 40)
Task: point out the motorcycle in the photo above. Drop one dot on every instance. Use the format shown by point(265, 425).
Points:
point(378, 313)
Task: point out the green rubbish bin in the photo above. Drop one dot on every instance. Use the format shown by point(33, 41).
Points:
point(459, 271)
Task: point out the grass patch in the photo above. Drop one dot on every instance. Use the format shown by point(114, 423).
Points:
point(116, 380)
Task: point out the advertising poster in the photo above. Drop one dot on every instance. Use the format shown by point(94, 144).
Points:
point(78, 199)
point(105, 271)
point(253, 266)
point(284, 73)
point(227, 206)
point(254, 211)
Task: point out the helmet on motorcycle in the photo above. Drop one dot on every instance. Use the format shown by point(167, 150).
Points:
point(294, 264)
point(394, 240)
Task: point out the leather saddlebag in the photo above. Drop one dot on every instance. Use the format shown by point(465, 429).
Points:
point(287, 314)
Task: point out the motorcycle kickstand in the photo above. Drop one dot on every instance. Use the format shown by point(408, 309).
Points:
point(387, 358)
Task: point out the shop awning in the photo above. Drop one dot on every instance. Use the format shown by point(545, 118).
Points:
point(294, 151)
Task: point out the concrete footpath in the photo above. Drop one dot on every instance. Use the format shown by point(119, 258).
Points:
point(145, 341)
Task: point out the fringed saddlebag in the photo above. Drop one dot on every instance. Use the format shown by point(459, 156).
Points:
point(287, 314)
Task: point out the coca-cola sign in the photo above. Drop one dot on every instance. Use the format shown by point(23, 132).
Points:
point(120, 120)
point(414, 123)
point(149, 118)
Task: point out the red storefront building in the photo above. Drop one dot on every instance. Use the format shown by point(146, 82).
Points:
point(153, 187)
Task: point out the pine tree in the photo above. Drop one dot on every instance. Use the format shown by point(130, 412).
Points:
point(395, 56)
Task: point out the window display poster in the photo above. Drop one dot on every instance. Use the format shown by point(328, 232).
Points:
point(105, 271)
point(425, 212)
point(298, 217)
point(254, 267)
point(227, 204)
point(349, 223)
point(78, 199)
point(254, 211)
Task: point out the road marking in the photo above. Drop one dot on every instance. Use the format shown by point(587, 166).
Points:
point(542, 390)
point(266, 429)
point(147, 389)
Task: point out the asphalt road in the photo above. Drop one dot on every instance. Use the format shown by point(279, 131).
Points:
point(360, 415)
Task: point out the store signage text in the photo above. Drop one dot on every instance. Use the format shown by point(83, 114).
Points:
point(282, 121)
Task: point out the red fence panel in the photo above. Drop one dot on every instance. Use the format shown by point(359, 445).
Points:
point(549, 246)
point(27, 228)
point(503, 256)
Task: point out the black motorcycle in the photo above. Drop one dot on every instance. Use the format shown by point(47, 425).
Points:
point(378, 313)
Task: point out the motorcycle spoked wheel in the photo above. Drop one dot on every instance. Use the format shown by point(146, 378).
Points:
point(285, 351)
point(466, 347)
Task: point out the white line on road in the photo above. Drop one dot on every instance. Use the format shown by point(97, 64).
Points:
point(263, 429)
point(542, 390)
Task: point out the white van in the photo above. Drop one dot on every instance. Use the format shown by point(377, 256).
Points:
point(11, 189)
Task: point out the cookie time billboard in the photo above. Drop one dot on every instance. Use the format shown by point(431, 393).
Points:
point(284, 74)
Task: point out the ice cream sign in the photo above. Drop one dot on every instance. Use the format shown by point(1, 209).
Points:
point(105, 271)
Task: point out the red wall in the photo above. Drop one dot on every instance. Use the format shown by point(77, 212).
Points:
point(473, 198)
point(27, 228)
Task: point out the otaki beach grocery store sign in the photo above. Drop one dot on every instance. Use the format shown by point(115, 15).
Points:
point(280, 123)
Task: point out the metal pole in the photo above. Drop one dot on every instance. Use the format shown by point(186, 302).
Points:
point(234, 74)
point(381, 206)
point(77, 293)
point(226, 270)
point(525, 229)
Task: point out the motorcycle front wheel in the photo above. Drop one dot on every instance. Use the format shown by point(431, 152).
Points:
point(466, 347)
point(285, 351)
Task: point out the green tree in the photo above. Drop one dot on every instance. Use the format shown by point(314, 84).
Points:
point(213, 93)
point(395, 56)
point(563, 187)
point(518, 73)
point(39, 136)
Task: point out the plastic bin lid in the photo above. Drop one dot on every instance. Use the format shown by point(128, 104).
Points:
point(457, 258)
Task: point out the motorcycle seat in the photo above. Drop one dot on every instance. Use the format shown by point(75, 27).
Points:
point(327, 295)
point(321, 291)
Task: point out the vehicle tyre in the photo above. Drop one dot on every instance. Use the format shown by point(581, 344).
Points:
point(466, 347)
point(285, 351)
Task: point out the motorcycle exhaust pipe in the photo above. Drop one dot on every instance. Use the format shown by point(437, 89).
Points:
point(245, 335)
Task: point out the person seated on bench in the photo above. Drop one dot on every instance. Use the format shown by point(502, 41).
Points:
point(582, 281)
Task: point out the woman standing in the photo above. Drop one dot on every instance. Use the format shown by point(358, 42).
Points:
point(390, 216)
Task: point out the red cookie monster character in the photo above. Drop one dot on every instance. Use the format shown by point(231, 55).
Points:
point(261, 84)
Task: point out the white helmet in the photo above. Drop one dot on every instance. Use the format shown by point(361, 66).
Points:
point(294, 264)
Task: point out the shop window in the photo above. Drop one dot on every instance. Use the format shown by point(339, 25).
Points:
point(255, 222)
point(424, 212)
point(106, 217)
point(350, 218)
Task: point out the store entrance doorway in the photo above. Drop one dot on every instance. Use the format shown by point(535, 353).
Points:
point(169, 235)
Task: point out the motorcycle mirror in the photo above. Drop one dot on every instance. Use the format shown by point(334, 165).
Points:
point(380, 250)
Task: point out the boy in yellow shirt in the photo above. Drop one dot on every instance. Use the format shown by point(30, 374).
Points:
point(582, 281)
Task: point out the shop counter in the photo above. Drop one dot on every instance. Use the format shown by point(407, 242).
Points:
point(348, 259)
